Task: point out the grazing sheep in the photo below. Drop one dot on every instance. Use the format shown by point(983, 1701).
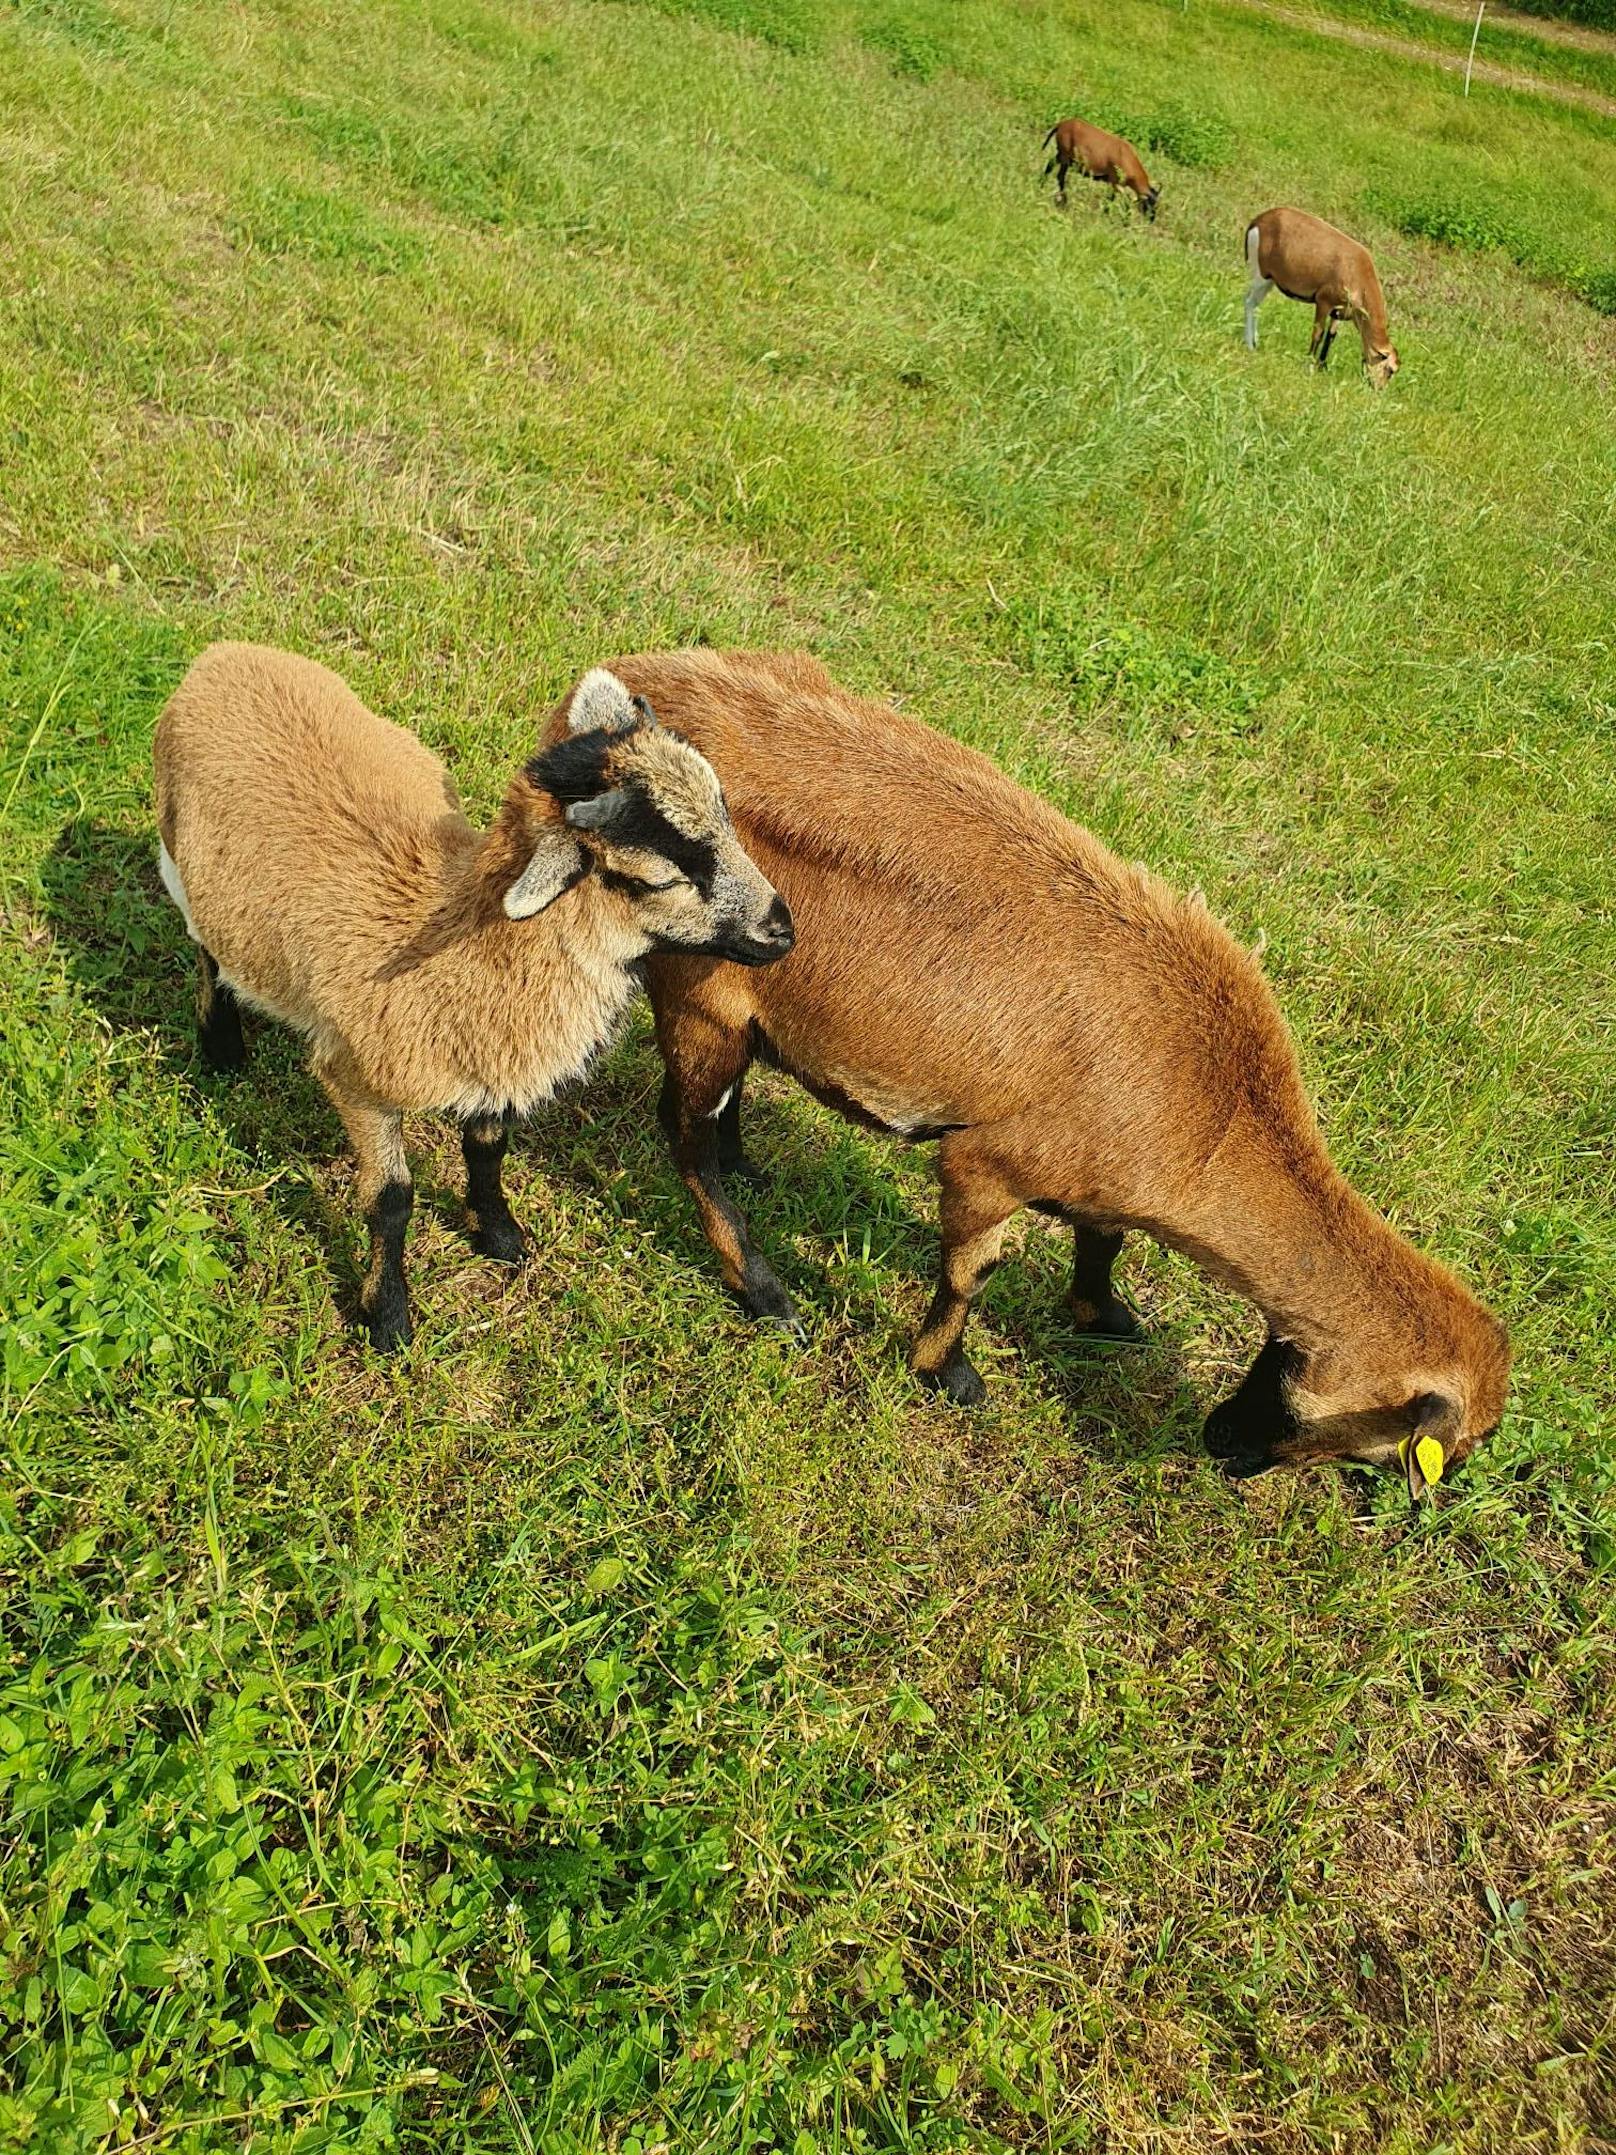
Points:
point(1310, 260)
point(1100, 156)
point(974, 969)
point(322, 862)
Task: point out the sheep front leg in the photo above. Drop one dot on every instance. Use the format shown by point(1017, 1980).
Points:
point(1323, 336)
point(976, 1207)
point(386, 1195)
point(494, 1230)
point(692, 1127)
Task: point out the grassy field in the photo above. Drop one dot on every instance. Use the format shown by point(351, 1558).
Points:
point(604, 1728)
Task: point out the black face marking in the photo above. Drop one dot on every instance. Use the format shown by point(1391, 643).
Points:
point(642, 826)
point(1246, 1429)
point(575, 768)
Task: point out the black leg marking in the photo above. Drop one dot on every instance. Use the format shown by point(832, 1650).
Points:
point(219, 1033)
point(384, 1301)
point(733, 1162)
point(494, 1231)
point(1094, 1303)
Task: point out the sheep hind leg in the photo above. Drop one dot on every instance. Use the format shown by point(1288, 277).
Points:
point(494, 1229)
point(691, 1119)
point(977, 1205)
point(218, 1018)
point(386, 1196)
point(1256, 292)
point(1096, 1308)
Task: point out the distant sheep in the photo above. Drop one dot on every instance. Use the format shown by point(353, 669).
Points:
point(322, 862)
point(973, 969)
point(1307, 259)
point(1100, 156)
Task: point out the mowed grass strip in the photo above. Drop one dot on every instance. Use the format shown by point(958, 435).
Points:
point(605, 1728)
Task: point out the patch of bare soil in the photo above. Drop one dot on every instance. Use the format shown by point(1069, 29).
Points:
point(1453, 63)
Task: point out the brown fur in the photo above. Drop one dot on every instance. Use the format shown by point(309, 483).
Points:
point(1099, 156)
point(970, 961)
point(1308, 259)
point(333, 881)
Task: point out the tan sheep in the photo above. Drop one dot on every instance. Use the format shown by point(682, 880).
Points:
point(973, 969)
point(1307, 259)
point(1100, 156)
point(322, 862)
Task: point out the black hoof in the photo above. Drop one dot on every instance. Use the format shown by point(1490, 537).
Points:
point(1113, 1321)
point(957, 1381)
point(747, 1172)
point(388, 1330)
point(767, 1303)
point(791, 1329)
point(500, 1240)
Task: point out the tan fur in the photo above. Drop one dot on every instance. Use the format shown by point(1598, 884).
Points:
point(966, 956)
point(327, 867)
point(1099, 156)
point(1308, 259)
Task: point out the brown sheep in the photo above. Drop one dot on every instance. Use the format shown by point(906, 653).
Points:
point(974, 969)
point(1310, 260)
point(322, 862)
point(1100, 156)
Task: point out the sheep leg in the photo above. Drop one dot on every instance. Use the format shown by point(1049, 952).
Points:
point(733, 1161)
point(693, 1140)
point(1065, 167)
point(218, 1017)
point(977, 1204)
point(386, 1195)
point(494, 1231)
point(1256, 292)
point(1318, 346)
point(1093, 1301)
point(1324, 348)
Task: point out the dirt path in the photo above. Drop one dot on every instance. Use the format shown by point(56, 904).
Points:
point(1453, 63)
point(1575, 34)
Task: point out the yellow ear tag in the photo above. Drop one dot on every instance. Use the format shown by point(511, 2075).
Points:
point(1431, 1457)
point(1427, 1451)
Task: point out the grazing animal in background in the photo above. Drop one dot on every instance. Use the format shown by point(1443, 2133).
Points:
point(972, 968)
point(1308, 259)
point(1100, 156)
point(322, 862)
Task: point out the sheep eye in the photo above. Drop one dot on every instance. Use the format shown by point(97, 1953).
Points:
point(639, 884)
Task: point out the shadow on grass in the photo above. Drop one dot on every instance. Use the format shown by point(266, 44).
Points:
point(126, 950)
point(839, 1220)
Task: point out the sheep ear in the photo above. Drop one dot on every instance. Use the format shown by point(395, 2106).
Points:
point(556, 865)
point(600, 813)
point(1438, 1421)
point(601, 704)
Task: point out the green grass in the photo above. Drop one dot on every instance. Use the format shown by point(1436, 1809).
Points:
point(606, 1729)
